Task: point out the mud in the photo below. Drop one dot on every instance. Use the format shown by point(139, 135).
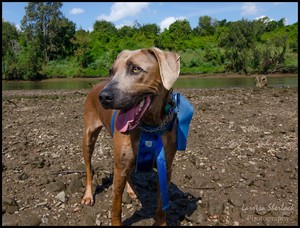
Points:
point(240, 166)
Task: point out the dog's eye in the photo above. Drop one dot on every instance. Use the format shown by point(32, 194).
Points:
point(136, 69)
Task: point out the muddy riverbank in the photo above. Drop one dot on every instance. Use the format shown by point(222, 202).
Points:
point(240, 166)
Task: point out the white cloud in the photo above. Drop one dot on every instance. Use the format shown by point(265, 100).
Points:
point(262, 17)
point(125, 23)
point(164, 24)
point(76, 11)
point(121, 10)
point(18, 27)
point(249, 8)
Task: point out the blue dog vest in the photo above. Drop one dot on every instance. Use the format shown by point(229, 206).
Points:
point(151, 148)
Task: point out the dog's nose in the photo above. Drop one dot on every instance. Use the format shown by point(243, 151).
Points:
point(106, 98)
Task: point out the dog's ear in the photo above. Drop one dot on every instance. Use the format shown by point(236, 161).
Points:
point(169, 66)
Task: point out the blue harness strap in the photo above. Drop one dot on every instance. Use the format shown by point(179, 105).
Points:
point(151, 148)
point(185, 113)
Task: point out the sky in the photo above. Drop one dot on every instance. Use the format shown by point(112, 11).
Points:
point(84, 14)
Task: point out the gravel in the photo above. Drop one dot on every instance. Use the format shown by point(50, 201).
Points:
point(240, 166)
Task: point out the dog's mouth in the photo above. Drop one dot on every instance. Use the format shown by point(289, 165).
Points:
point(127, 120)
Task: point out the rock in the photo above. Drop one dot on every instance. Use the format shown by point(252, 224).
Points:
point(10, 220)
point(215, 208)
point(38, 162)
point(232, 145)
point(29, 219)
point(236, 199)
point(270, 183)
point(9, 205)
point(55, 186)
point(74, 186)
point(3, 167)
point(281, 155)
point(61, 197)
point(87, 220)
point(197, 216)
point(126, 198)
point(23, 176)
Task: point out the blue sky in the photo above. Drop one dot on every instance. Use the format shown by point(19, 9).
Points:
point(84, 14)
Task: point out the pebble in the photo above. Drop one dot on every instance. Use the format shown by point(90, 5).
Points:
point(126, 199)
point(232, 145)
point(76, 209)
point(38, 162)
point(66, 140)
point(74, 186)
point(61, 196)
point(236, 223)
point(10, 220)
point(215, 208)
point(236, 200)
point(29, 219)
point(98, 222)
point(23, 176)
point(9, 205)
point(55, 186)
point(281, 155)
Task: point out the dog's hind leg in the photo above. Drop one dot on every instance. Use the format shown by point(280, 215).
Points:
point(92, 127)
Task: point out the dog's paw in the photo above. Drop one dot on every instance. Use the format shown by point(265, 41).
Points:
point(130, 191)
point(87, 200)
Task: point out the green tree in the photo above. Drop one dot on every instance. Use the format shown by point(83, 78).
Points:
point(237, 43)
point(176, 37)
point(150, 30)
point(206, 26)
point(81, 42)
point(47, 33)
point(10, 50)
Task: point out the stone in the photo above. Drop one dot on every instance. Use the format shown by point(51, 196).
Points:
point(9, 205)
point(10, 220)
point(74, 186)
point(56, 186)
point(215, 208)
point(235, 199)
point(61, 196)
point(29, 219)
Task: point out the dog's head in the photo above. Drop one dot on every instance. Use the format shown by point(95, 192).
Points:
point(135, 77)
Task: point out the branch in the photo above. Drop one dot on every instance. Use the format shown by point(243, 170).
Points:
point(65, 172)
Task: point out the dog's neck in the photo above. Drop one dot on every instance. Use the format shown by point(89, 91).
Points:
point(156, 113)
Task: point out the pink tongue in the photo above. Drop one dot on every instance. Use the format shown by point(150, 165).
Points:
point(128, 120)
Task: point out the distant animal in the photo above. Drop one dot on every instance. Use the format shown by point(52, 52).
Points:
point(138, 107)
point(261, 81)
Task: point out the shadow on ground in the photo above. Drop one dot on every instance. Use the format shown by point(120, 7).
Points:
point(145, 184)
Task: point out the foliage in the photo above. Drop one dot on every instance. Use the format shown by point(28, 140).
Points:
point(48, 45)
point(10, 50)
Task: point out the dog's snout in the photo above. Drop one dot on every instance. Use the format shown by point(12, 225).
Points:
point(106, 98)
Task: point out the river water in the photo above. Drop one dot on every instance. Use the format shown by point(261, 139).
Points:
point(182, 82)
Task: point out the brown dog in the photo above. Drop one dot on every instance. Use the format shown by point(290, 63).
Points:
point(139, 88)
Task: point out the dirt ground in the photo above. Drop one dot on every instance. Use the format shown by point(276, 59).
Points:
point(240, 166)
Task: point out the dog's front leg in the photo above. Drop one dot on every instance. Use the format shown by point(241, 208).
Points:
point(123, 164)
point(89, 139)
